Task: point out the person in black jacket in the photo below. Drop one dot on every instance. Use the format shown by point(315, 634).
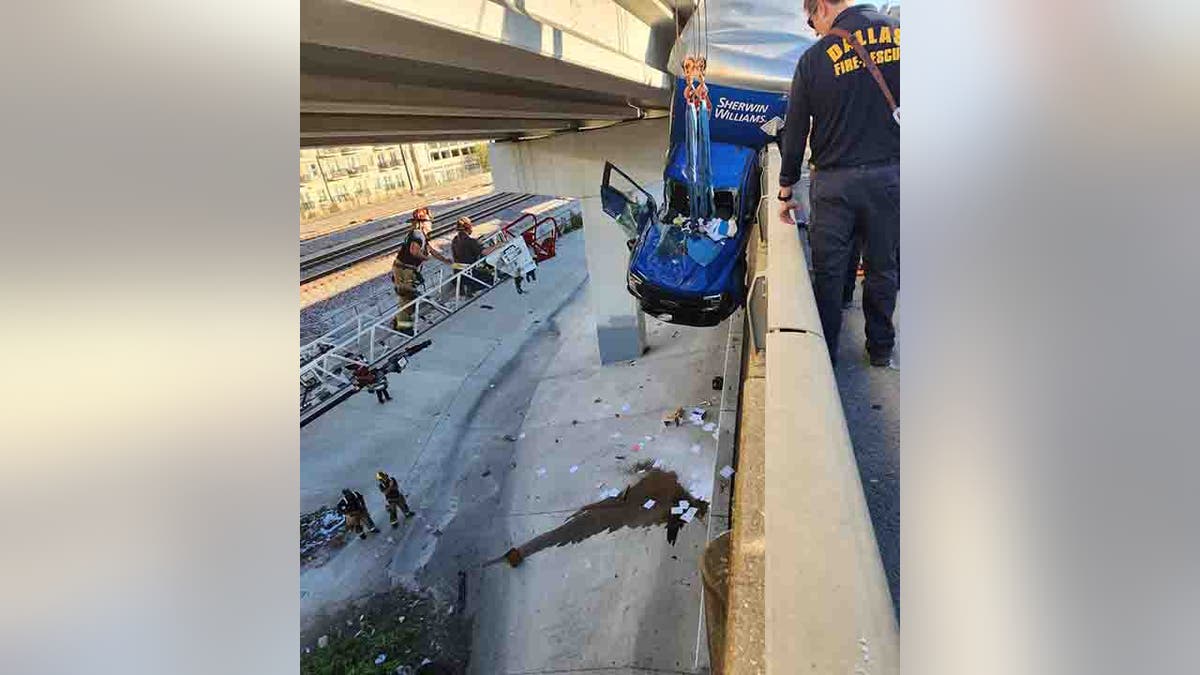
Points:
point(466, 251)
point(855, 142)
point(354, 507)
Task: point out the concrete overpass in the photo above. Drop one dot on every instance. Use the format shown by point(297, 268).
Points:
point(390, 71)
point(806, 582)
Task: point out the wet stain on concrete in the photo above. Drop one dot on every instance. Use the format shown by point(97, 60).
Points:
point(609, 515)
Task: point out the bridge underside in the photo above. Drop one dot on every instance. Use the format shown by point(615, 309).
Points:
point(409, 72)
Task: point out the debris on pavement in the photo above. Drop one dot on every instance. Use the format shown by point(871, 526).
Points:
point(510, 438)
point(696, 416)
point(625, 408)
point(521, 435)
point(726, 472)
point(320, 536)
point(689, 514)
point(632, 507)
point(674, 416)
point(718, 383)
point(541, 471)
point(380, 659)
point(574, 468)
point(695, 448)
point(323, 642)
point(710, 426)
point(487, 307)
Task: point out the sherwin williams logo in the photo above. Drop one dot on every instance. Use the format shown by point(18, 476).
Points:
point(741, 111)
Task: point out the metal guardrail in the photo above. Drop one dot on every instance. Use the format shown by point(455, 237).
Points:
point(370, 339)
point(813, 595)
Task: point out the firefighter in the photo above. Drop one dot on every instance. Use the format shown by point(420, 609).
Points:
point(373, 381)
point(406, 269)
point(395, 499)
point(354, 507)
point(467, 250)
point(851, 104)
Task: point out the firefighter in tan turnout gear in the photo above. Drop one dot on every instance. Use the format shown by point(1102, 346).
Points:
point(395, 499)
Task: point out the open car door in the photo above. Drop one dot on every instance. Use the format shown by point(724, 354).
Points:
point(626, 202)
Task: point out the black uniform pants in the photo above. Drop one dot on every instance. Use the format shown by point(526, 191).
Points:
point(857, 202)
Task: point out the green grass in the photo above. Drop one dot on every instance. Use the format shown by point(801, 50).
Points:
point(428, 631)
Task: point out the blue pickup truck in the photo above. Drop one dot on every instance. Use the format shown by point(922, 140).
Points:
point(680, 272)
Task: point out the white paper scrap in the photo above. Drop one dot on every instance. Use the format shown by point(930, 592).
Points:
point(695, 449)
point(625, 408)
point(616, 435)
point(726, 471)
point(710, 426)
point(657, 464)
point(649, 504)
point(689, 514)
point(541, 471)
point(676, 510)
point(574, 469)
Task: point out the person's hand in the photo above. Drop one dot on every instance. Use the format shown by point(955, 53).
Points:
point(785, 212)
point(786, 207)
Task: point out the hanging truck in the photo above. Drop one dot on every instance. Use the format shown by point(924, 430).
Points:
point(687, 260)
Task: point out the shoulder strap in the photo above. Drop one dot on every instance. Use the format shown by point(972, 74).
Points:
point(863, 56)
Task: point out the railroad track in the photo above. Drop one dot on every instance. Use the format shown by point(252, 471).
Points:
point(349, 253)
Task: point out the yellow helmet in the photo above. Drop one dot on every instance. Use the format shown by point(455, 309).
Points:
point(379, 475)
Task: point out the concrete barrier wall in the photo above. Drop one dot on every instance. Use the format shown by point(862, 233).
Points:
point(807, 588)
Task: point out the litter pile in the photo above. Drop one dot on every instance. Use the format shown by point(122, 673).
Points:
point(321, 535)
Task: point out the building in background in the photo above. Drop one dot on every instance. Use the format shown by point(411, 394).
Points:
point(335, 178)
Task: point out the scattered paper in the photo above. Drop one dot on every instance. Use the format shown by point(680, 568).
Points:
point(625, 408)
point(521, 435)
point(541, 471)
point(716, 436)
point(684, 503)
point(657, 464)
point(689, 514)
point(649, 504)
point(380, 659)
point(710, 426)
point(695, 449)
point(574, 468)
point(616, 435)
point(676, 510)
point(647, 438)
point(726, 471)
point(612, 492)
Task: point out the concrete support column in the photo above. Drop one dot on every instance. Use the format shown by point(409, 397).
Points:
point(620, 325)
point(572, 165)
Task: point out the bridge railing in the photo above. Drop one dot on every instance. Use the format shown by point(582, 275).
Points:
point(807, 584)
